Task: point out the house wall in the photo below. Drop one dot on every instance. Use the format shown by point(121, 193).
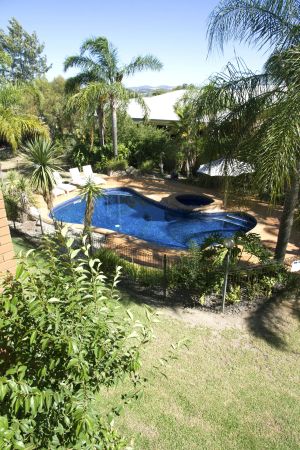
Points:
point(7, 256)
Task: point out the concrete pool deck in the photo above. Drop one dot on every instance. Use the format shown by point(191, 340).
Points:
point(165, 191)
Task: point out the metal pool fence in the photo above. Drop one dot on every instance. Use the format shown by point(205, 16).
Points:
point(152, 268)
point(148, 268)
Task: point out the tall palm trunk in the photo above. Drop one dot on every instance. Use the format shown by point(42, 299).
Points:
point(48, 197)
point(287, 218)
point(100, 114)
point(92, 137)
point(114, 125)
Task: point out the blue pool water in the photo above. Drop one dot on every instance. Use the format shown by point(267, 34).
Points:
point(125, 211)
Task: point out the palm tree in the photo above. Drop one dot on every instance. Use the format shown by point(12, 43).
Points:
point(43, 157)
point(90, 191)
point(101, 78)
point(14, 125)
point(262, 109)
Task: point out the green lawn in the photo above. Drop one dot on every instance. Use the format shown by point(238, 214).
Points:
point(21, 245)
point(231, 389)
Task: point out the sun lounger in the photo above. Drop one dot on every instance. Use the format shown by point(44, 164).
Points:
point(76, 177)
point(57, 191)
point(89, 174)
point(67, 187)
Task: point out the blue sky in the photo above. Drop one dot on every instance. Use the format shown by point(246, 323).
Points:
point(174, 31)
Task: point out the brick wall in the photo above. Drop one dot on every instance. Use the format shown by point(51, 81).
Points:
point(7, 256)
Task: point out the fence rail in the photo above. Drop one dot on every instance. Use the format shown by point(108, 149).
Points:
point(149, 268)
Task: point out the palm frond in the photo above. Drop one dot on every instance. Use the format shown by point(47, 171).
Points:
point(88, 97)
point(139, 63)
point(266, 23)
point(105, 55)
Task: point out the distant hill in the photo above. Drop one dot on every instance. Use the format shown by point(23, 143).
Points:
point(149, 90)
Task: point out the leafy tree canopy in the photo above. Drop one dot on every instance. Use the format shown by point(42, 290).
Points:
point(23, 54)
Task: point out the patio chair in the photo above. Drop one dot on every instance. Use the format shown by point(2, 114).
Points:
point(76, 177)
point(89, 174)
point(67, 187)
point(57, 191)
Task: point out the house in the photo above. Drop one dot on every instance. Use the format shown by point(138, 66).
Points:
point(160, 108)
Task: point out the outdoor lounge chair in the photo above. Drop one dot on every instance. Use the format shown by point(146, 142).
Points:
point(57, 191)
point(89, 174)
point(67, 187)
point(76, 177)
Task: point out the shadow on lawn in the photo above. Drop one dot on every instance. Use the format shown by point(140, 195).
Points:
point(271, 320)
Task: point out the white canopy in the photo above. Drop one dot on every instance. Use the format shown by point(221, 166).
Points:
point(220, 168)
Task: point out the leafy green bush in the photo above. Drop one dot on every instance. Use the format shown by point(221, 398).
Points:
point(18, 195)
point(145, 276)
point(202, 270)
point(234, 294)
point(147, 166)
point(144, 141)
point(113, 165)
point(199, 271)
point(62, 337)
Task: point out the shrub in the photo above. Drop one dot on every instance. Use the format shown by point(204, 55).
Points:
point(202, 270)
point(234, 294)
point(62, 337)
point(145, 276)
point(116, 164)
point(17, 194)
point(147, 166)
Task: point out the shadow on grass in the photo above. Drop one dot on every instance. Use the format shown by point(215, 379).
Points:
point(271, 320)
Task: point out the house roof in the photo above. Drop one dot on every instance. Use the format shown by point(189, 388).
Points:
point(161, 107)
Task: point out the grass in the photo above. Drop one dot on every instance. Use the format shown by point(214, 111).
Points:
point(20, 244)
point(230, 389)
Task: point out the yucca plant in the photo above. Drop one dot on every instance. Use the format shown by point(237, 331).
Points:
point(43, 158)
point(89, 192)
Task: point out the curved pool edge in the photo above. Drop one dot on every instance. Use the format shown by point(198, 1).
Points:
point(134, 240)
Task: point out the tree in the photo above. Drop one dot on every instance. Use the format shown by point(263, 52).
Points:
point(14, 124)
point(102, 78)
point(89, 192)
point(43, 157)
point(25, 53)
point(188, 133)
point(63, 340)
point(5, 64)
point(265, 107)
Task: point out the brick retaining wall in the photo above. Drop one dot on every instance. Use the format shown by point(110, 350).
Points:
point(7, 255)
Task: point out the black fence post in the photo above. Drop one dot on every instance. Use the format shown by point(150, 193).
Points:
point(41, 223)
point(165, 278)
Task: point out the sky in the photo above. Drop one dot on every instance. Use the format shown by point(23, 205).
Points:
point(172, 30)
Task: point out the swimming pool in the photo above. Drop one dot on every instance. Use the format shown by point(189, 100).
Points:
point(125, 211)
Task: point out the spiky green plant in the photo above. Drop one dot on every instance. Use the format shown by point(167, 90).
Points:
point(43, 158)
point(90, 191)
